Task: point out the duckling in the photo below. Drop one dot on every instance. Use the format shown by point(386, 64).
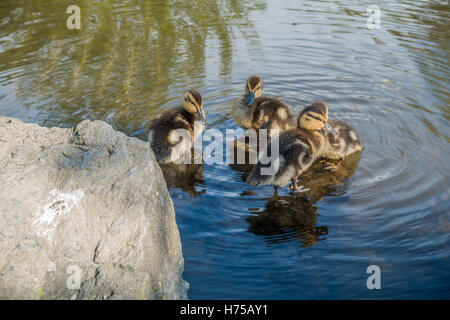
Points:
point(298, 149)
point(339, 145)
point(253, 110)
point(164, 136)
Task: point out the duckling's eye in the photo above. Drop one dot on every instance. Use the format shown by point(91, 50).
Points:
point(190, 101)
point(318, 119)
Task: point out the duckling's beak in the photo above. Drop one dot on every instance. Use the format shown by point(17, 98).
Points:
point(250, 98)
point(329, 129)
point(201, 117)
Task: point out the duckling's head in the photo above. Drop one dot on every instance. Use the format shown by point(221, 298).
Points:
point(193, 103)
point(253, 89)
point(315, 117)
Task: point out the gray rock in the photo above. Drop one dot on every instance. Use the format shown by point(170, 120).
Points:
point(84, 214)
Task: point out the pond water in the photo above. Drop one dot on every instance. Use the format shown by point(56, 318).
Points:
point(388, 206)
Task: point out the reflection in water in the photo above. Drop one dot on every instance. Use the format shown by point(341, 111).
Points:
point(288, 218)
point(294, 217)
point(128, 60)
point(187, 177)
point(244, 157)
point(323, 182)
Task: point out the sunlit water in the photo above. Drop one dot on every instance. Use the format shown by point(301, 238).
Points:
point(132, 59)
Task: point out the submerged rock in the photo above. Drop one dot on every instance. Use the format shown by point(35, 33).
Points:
point(84, 214)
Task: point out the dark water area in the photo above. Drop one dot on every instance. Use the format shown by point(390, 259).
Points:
point(388, 206)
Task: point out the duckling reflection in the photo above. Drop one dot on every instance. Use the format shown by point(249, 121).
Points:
point(243, 153)
point(288, 218)
point(294, 217)
point(187, 177)
point(323, 182)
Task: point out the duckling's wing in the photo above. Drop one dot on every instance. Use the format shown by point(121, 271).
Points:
point(257, 177)
point(345, 141)
point(273, 113)
point(291, 159)
point(282, 167)
point(179, 148)
point(163, 157)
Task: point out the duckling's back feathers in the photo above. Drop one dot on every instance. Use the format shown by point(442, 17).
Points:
point(272, 113)
point(162, 137)
point(344, 142)
point(297, 151)
point(264, 113)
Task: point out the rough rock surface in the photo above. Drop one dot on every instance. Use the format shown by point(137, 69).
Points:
point(84, 214)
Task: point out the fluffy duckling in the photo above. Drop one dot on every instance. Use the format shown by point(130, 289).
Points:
point(164, 136)
point(341, 144)
point(253, 110)
point(298, 149)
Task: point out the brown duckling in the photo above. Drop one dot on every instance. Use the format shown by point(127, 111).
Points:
point(298, 149)
point(164, 136)
point(338, 146)
point(253, 110)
